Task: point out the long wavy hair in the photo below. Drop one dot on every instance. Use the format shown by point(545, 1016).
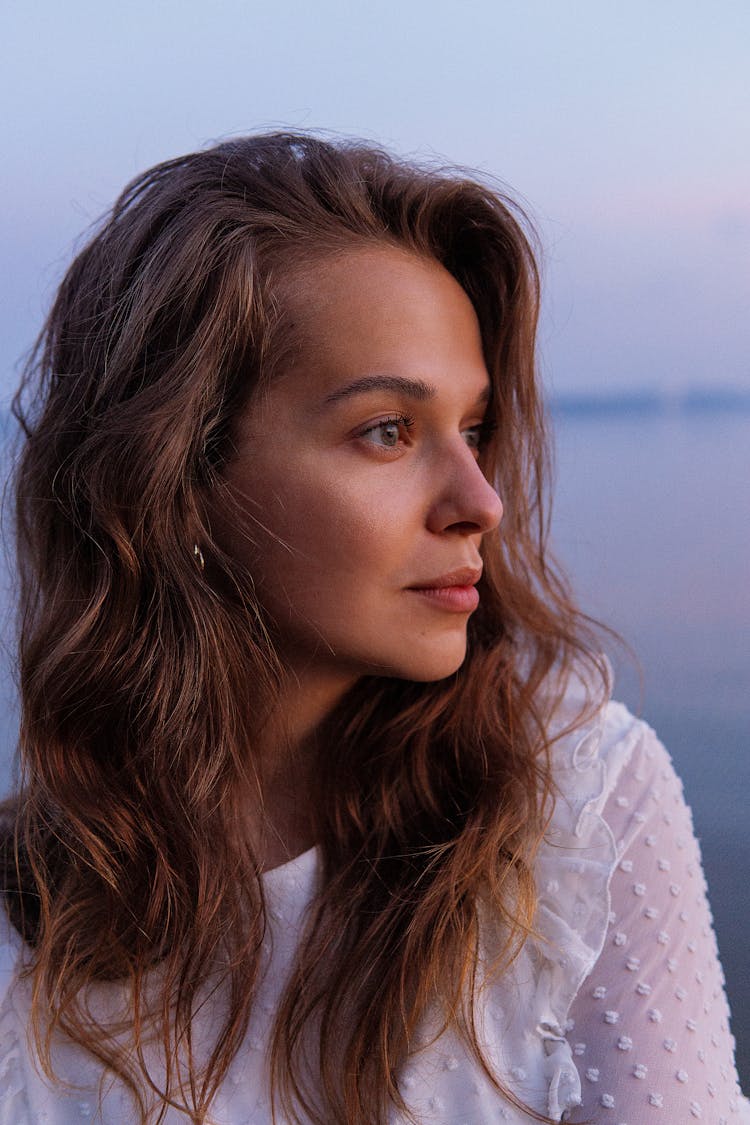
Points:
point(143, 679)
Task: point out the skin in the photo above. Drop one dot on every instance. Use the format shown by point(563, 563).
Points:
point(356, 484)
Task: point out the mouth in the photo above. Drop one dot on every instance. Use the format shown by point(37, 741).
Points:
point(454, 591)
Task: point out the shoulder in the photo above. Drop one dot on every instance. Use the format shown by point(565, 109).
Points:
point(595, 741)
point(638, 767)
point(595, 744)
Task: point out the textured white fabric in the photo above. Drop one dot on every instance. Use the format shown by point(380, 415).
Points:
point(633, 980)
point(650, 1028)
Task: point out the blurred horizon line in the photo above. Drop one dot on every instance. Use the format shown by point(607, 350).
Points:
point(645, 401)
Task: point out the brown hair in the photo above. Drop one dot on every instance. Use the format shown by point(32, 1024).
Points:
point(137, 736)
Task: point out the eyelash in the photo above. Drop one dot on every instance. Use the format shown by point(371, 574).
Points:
point(485, 430)
point(395, 420)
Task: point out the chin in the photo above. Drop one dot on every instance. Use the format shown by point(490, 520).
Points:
point(437, 663)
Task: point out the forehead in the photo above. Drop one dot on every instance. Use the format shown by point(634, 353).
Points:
point(382, 309)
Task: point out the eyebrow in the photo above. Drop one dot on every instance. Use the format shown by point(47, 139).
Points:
point(413, 388)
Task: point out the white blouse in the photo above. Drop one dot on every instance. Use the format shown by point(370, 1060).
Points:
point(614, 1014)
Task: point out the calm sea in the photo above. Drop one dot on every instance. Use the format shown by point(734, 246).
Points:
point(652, 520)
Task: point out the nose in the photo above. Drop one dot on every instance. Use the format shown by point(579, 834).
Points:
point(465, 502)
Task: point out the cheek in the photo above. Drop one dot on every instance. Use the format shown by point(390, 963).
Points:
point(342, 526)
point(326, 525)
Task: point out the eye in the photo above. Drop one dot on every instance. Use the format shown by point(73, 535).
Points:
point(476, 437)
point(388, 432)
point(473, 437)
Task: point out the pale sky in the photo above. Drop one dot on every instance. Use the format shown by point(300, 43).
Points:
point(624, 127)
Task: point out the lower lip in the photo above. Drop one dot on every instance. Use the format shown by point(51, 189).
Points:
point(455, 599)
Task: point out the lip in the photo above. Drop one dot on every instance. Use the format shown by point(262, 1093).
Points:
point(454, 591)
point(462, 576)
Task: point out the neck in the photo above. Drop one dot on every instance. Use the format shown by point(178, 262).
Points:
point(289, 749)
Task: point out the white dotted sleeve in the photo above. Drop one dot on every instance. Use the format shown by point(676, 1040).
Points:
point(650, 1027)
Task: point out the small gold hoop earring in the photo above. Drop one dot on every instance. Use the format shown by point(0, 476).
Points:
point(198, 554)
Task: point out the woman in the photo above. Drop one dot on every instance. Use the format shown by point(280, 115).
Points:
point(324, 815)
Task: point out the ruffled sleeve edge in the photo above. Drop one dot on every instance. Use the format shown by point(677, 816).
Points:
point(574, 867)
point(579, 853)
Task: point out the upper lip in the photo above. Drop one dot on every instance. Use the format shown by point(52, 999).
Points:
point(462, 576)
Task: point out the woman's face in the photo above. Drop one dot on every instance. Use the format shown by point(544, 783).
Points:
point(361, 505)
